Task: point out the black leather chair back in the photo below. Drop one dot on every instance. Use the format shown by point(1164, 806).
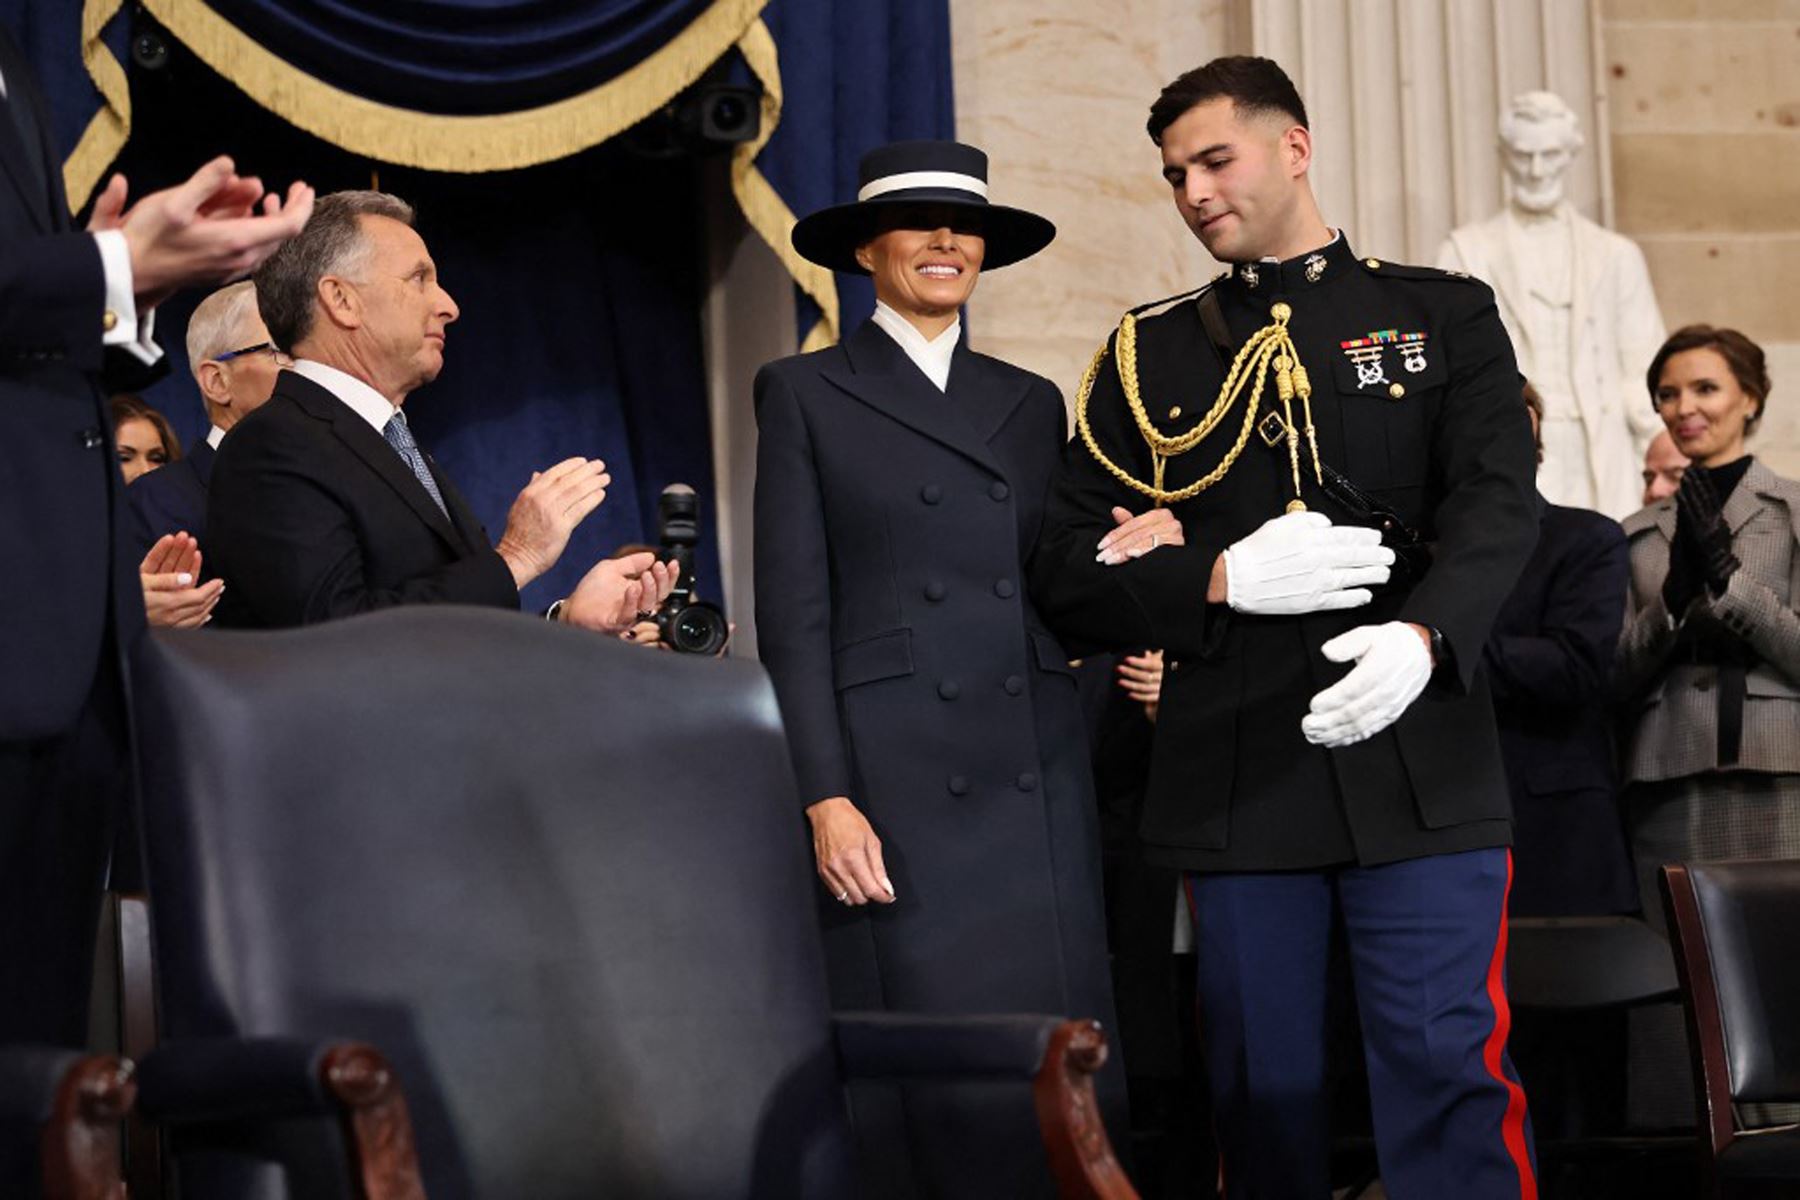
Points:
point(1751, 915)
point(560, 881)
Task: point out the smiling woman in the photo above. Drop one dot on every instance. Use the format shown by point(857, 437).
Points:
point(1709, 663)
point(931, 713)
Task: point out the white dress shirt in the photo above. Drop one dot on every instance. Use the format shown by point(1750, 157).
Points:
point(214, 436)
point(930, 355)
point(358, 396)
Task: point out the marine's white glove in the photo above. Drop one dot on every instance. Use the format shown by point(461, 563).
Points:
point(1392, 667)
point(1302, 563)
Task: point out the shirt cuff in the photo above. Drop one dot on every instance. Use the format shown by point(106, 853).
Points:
point(119, 322)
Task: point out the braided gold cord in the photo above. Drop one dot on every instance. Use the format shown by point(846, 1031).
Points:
point(1270, 344)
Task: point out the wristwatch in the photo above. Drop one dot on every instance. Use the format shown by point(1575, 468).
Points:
point(1440, 649)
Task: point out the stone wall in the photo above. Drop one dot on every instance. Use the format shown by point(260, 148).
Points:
point(1704, 102)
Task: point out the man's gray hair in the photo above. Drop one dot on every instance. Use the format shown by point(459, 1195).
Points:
point(1541, 108)
point(332, 243)
point(218, 322)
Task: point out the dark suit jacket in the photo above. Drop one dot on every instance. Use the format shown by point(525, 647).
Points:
point(312, 515)
point(171, 499)
point(59, 478)
point(1550, 663)
point(1234, 785)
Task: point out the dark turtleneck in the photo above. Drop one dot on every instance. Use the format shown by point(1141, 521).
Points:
point(1726, 478)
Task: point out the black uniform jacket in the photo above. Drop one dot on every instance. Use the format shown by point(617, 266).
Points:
point(60, 486)
point(312, 515)
point(1430, 422)
point(171, 499)
point(1550, 665)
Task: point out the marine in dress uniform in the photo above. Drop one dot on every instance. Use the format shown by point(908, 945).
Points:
point(1284, 810)
point(899, 489)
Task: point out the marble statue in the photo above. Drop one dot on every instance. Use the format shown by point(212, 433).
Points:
point(1577, 300)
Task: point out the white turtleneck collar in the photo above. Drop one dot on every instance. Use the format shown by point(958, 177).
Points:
point(930, 355)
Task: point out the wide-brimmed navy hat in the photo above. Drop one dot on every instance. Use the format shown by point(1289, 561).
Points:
point(921, 174)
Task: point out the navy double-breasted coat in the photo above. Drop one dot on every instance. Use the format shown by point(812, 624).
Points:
point(894, 528)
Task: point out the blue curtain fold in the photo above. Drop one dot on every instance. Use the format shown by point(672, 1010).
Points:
point(854, 76)
point(463, 57)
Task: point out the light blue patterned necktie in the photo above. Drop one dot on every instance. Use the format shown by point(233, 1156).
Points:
point(401, 439)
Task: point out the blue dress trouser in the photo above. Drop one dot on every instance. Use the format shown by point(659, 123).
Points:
point(1427, 943)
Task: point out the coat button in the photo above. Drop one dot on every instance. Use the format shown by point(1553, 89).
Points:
point(91, 439)
point(949, 689)
point(958, 785)
point(999, 491)
point(934, 591)
point(1026, 782)
point(1004, 589)
point(931, 493)
point(1013, 685)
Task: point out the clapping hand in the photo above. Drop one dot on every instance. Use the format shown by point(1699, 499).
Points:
point(171, 598)
point(1301, 563)
point(620, 592)
point(546, 512)
point(1700, 516)
point(207, 230)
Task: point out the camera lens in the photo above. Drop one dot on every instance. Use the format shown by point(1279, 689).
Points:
point(699, 629)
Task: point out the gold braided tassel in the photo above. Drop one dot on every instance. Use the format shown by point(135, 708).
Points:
point(1270, 345)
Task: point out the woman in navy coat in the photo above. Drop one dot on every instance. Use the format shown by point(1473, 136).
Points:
point(932, 715)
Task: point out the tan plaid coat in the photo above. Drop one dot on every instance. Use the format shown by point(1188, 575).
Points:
point(1672, 706)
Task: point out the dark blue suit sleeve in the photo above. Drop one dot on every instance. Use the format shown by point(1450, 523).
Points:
point(52, 289)
point(793, 590)
point(1486, 521)
point(1567, 660)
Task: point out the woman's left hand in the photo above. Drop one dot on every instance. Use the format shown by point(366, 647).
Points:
point(1137, 536)
point(1141, 676)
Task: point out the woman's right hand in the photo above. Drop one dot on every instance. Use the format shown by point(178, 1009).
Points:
point(848, 853)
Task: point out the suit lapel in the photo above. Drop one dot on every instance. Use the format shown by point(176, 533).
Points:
point(361, 440)
point(23, 160)
point(461, 515)
point(984, 399)
point(1749, 496)
point(881, 376)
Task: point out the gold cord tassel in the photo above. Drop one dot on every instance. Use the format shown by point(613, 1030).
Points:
point(1270, 345)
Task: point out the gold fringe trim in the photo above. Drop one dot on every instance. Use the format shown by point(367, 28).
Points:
point(105, 135)
point(763, 206)
point(436, 142)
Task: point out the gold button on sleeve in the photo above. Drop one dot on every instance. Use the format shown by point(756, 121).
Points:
point(109, 321)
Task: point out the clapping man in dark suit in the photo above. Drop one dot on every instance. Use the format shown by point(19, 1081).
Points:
point(323, 506)
point(74, 318)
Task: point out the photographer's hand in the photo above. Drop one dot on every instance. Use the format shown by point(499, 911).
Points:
point(612, 597)
point(848, 853)
point(547, 511)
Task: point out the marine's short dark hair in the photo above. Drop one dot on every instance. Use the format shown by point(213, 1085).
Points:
point(1254, 86)
point(330, 244)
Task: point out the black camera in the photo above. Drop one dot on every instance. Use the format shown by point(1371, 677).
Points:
point(685, 624)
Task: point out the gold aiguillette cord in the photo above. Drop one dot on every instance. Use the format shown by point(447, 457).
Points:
point(1271, 345)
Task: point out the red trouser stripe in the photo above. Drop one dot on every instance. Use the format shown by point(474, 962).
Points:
point(1512, 1126)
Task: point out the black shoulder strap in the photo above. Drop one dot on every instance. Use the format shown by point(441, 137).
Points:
point(1212, 319)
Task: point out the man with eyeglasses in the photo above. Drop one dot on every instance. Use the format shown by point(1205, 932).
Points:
point(234, 364)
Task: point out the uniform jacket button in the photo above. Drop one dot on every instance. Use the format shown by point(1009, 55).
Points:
point(1004, 589)
point(1027, 782)
point(91, 439)
point(934, 591)
point(931, 493)
point(949, 689)
point(958, 785)
point(1014, 685)
point(999, 491)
